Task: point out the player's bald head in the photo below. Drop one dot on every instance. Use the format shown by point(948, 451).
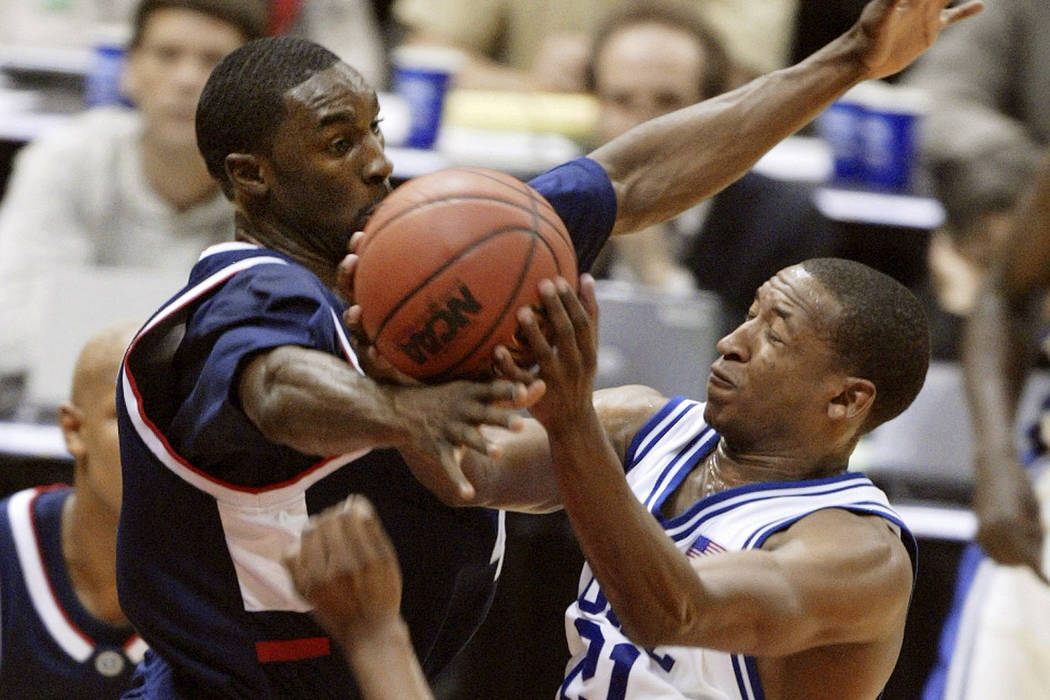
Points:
point(99, 361)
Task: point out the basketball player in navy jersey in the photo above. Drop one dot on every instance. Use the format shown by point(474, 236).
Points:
point(243, 407)
point(62, 632)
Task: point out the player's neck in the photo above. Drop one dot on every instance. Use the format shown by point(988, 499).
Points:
point(269, 237)
point(89, 547)
point(723, 468)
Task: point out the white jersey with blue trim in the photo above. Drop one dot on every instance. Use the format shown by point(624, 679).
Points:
point(604, 662)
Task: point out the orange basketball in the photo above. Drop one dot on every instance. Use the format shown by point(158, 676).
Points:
point(448, 259)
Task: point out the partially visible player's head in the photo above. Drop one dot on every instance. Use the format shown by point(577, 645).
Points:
point(881, 332)
point(650, 58)
point(89, 418)
point(830, 349)
point(174, 46)
point(293, 135)
point(243, 102)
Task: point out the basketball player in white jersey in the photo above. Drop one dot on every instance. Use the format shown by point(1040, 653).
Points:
point(738, 558)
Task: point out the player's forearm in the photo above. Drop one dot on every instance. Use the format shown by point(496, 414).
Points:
point(669, 164)
point(648, 582)
point(996, 351)
point(521, 478)
point(385, 665)
point(318, 404)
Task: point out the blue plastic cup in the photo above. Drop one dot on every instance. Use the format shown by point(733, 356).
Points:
point(421, 76)
point(890, 139)
point(840, 127)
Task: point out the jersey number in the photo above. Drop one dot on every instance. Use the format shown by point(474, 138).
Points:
point(623, 655)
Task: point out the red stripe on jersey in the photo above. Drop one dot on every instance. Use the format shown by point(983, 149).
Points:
point(293, 649)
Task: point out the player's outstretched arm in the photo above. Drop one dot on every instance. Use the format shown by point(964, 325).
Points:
point(1006, 309)
point(318, 404)
point(668, 164)
point(346, 567)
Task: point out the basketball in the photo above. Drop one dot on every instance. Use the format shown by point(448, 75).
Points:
point(447, 260)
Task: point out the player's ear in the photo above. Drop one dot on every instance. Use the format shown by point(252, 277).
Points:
point(853, 401)
point(246, 173)
point(71, 420)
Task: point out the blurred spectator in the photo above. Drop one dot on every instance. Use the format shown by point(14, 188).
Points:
point(119, 186)
point(63, 632)
point(543, 44)
point(350, 28)
point(654, 57)
point(987, 124)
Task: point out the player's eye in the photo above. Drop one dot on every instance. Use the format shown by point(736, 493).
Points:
point(340, 145)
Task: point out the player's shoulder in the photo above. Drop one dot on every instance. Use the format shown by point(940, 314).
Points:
point(247, 264)
point(624, 410)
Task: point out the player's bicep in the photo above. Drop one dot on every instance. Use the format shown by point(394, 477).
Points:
point(832, 578)
point(848, 578)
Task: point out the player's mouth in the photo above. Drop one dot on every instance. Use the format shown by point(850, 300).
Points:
point(718, 379)
point(366, 213)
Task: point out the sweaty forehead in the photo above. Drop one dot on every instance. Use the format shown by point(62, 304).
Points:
point(800, 295)
point(336, 87)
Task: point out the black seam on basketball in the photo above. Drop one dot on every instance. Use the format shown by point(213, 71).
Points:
point(451, 260)
point(533, 195)
point(555, 223)
point(554, 257)
point(448, 371)
point(566, 239)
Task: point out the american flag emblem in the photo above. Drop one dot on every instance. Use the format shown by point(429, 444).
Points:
point(704, 546)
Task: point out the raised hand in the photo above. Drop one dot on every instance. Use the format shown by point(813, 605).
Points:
point(564, 345)
point(346, 567)
point(897, 31)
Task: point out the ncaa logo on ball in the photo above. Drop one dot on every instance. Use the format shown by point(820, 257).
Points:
point(447, 315)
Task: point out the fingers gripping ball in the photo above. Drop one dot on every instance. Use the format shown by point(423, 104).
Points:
point(447, 260)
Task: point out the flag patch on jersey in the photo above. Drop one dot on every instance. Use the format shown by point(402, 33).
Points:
point(703, 545)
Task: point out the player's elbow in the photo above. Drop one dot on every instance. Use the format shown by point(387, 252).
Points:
point(673, 623)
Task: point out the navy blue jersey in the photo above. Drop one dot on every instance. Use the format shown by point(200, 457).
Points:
point(51, 647)
point(210, 505)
